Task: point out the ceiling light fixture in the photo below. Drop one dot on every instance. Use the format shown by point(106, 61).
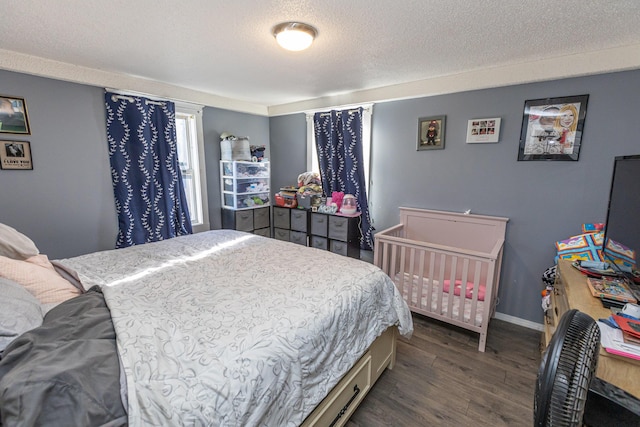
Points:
point(294, 35)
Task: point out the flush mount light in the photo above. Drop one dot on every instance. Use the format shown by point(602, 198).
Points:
point(294, 35)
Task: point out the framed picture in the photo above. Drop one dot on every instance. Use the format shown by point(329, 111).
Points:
point(552, 128)
point(480, 131)
point(15, 155)
point(431, 133)
point(13, 115)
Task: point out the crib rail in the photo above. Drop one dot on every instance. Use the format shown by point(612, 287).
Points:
point(426, 274)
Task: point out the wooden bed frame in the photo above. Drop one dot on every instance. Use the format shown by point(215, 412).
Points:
point(345, 397)
point(431, 250)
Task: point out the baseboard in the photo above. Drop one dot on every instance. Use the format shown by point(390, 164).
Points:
point(520, 322)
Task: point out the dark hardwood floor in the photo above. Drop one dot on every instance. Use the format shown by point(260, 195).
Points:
point(440, 379)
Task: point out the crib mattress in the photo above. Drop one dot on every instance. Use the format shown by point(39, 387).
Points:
point(412, 283)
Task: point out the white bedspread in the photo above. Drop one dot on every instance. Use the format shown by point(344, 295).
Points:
point(231, 329)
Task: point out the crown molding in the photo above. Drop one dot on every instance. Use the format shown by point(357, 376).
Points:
point(591, 63)
point(598, 62)
point(27, 64)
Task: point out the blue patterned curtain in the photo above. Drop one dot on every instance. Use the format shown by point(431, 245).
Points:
point(339, 144)
point(147, 183)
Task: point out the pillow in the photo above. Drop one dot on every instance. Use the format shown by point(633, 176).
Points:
point(468, 292)
point(39, 277)
point(19, 312)
point(16, 245)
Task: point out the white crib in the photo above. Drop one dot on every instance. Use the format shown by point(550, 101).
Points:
point(445, 264)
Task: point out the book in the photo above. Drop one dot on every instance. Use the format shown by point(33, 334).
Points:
point(630, 339)
point(627, 325)
point(611, 289)
point(612, 341)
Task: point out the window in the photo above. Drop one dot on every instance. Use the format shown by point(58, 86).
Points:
point(190, 142)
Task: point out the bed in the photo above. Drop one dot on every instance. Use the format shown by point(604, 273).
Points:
point(446, 265)
point(216, 328)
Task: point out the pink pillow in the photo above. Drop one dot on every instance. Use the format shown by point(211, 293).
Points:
point(39, 277)
point(469, 290)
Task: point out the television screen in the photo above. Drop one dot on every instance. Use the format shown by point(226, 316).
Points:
point(622, 227)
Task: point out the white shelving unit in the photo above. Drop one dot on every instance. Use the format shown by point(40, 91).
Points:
point(245, 185)
point(245, 189)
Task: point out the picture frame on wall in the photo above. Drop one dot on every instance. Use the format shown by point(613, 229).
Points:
point(431, 132)
point(552, 128)
point(13, 115)
point(481, 131)
point(15, 155)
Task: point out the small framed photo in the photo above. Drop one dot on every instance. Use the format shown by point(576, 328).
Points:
point(480, 131)
point(13, 115)
point(552, 128)
point(431, 133)
point(15, 155)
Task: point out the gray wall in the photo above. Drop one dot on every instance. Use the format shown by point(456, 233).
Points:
point(545, 200)
point(65, 204)
point(288, 135)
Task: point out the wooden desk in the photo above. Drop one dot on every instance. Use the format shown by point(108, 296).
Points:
point(571, 291)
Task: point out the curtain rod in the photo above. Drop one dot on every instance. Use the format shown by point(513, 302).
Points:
point(340, 112)
point(116, 97)
point(129, 94)
point(132, 99)
point(350, 108)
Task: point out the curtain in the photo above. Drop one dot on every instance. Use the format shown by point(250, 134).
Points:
point(147, 183)
point(339, 145)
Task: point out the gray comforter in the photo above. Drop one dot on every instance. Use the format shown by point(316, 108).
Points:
point(66, 372)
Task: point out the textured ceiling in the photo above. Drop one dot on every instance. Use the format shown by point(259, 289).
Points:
point(225, 48)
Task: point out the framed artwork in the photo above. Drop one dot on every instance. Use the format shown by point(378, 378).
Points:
point(552, 128)
point(15, 155)
point(431, 133)
point(13, 115)
point(480, 131)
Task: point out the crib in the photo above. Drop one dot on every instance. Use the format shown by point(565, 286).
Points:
point(445, 264)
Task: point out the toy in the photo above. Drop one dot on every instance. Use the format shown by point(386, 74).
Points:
point(349, 205)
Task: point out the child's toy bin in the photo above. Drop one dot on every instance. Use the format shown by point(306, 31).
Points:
point(307, 201)
point(286, 201)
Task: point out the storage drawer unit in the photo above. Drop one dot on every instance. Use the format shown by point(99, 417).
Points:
point(244, 185)
point(256, 220)
point(290, 225)
point(339, 234)
point(245, 196)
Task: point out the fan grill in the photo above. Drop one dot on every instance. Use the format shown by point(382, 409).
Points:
point(568, 366)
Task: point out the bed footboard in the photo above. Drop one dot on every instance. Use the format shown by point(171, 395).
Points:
point(345, 397)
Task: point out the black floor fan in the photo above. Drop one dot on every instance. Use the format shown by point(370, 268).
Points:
point(567, 392)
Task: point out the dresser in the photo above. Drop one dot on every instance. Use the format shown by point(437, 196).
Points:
point(291, 225)
point(339, 234)
point(256, 220)
point(335, 233)
point(571, 291)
